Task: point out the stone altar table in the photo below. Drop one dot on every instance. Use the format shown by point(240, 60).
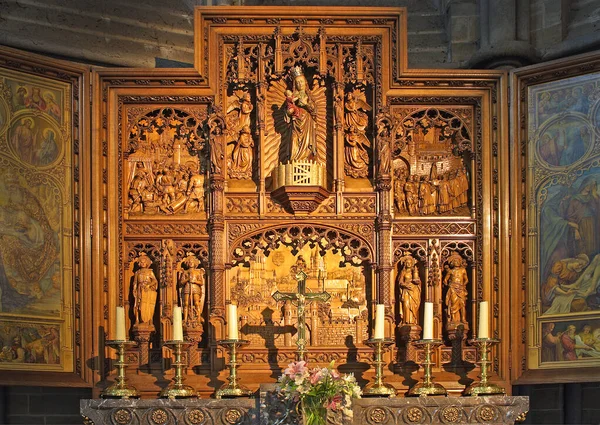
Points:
point(492, 410)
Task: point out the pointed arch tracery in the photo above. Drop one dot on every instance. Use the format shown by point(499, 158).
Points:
point(354, 248)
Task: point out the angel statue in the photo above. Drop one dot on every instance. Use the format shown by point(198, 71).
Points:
point(191, 290)
point(357, 142)
point(409, 288)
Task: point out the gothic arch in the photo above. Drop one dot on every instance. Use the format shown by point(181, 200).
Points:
point(354, 248)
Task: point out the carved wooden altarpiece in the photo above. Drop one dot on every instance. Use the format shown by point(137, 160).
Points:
point(301, 133)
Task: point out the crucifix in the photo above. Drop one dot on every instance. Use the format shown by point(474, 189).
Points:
point(301, 298)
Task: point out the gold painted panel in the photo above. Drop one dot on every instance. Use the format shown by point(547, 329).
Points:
point(36, 223)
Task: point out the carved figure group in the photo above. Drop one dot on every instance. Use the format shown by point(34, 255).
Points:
point(301, 115)
point(145, 288)
point(409, 289)
point(170, 189)
point(443, 193)
point(456, 279)
point(191, 287)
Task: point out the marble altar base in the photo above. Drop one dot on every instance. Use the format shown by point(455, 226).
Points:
point(489, 410)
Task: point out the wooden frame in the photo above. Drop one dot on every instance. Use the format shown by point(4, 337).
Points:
point(45, 173)
point(555, 152)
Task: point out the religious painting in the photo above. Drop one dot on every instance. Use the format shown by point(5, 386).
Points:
point(36, 221)
point(570, 340)
point(563, 159)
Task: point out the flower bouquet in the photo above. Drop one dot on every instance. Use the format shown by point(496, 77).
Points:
point(317, 390)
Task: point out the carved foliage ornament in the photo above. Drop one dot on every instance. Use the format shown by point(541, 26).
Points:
point(354, 249)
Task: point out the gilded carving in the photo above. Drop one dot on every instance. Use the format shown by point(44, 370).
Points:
point(238, 204)
point(377, 415)
point(451, 414)
point(357, 147)
point(240, 150)
point(431, 149)
point(414, 415)
point(296, 130)
point(434, 228)
point(145, 287)
point(359, 205)
point(159, 416)
point(122, 416)
point(191, 286)
point(195, 417)
point(165, 229)
point(233, 416)
point(163, 173)
point(409, 289)
point(456, 279)
point(487, 413)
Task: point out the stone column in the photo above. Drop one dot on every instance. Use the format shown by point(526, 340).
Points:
point(505, 44)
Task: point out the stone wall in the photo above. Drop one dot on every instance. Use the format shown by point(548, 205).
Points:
point(41, 405)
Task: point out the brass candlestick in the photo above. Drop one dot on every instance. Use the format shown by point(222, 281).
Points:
point(120, 388)
point(427, 387)
point(483, 387)
point(233, 388)
point(177, 389)
point(379, 388)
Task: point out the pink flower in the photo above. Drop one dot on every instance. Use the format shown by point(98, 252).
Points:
point(295, 368)
point(316, 376)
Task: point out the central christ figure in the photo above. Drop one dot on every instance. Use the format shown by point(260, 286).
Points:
point(301, 114)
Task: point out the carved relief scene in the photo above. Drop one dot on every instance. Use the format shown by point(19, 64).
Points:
point(165, 168)
point(432, 161)
point(336, 322)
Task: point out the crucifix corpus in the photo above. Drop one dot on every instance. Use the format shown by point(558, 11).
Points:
point(301, 298)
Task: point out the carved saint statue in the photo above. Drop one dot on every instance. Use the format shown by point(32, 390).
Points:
point(301, 114)
point(409, 288)
point(145, 287)
point(456, 279)
point(191, 286)
point(357, 142)
point(242, 156)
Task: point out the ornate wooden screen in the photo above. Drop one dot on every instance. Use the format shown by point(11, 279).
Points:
point(304, 143)
point(46, 333)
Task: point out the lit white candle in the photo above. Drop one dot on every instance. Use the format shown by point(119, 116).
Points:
point(177, 324)
point(428, 321)
point(379, 322)
point(232, 321)
point(484, 320)
point(120, 324)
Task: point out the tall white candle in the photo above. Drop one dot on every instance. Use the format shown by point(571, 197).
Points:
point(232, 321)
point(120, 324)
point(177, 324)
point(484, 320)
point(379, 322)
point(428, 321)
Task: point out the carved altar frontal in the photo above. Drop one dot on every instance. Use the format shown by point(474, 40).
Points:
point(301, 136)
